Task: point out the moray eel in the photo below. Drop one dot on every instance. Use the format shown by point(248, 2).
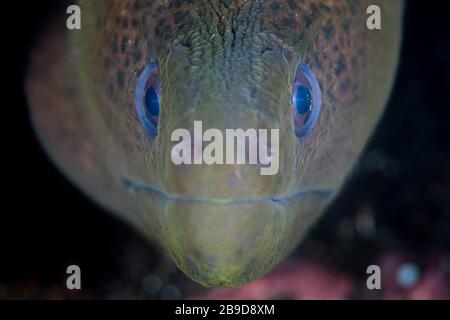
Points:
point(105, 100)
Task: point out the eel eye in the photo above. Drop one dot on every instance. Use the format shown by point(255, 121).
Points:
point(147, 98)
point(152, 102)
point(306, 100)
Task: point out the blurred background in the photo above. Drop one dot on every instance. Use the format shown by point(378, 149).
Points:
point(394, 212)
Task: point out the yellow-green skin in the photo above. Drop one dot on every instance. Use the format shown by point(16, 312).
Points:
point(230, 64)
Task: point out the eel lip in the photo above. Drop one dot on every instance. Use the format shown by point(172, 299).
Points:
point(135, 185)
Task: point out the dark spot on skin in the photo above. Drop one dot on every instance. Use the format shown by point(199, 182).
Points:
point(324, 7)
point(329, 77)
point(331, 96)
point(137, 57)
point(124, 45)
point(345, 85)
point(179, 16)
point(175, 3)
point(341, 66)
point(163, 32)
point(345, 26)
point(107, 63)
point(137, 41)
point(115, 47)
point(354, 63)
point(328, 31)
point(120, 80)
point(317, 61)
point(275, 7)
point(292, 4)
point(275, 25)
point(289, 22)
point(137, 6)
point(307, 21)
point(161, 21)
point(313, 9)
point(362, 49)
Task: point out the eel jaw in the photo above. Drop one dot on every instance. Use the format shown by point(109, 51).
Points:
point(229, 242)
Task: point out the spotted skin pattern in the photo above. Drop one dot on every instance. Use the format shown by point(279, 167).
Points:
point(230, 64)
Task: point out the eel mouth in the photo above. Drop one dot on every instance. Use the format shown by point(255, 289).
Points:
point(136, 186)
point(227, 241)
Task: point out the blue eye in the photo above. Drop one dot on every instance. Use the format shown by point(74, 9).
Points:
point(147, 98)
point(152, 102)
point(306, 100)
point(303, 100)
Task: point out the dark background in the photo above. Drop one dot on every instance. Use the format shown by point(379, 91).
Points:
point(401, 186)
